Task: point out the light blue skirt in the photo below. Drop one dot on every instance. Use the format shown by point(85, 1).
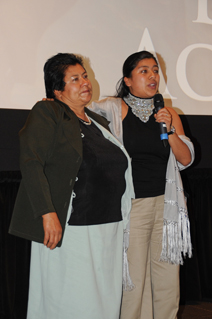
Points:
point(80, 280)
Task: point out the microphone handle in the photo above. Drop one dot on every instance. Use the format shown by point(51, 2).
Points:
point(165, 142)
point(163, 135)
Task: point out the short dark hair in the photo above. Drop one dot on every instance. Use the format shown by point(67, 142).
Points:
point(128, 66)
point(54, 71)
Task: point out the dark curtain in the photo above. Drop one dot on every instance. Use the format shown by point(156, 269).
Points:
point(196, 275)
point(14, 254)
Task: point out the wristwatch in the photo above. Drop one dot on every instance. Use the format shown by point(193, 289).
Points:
point(172, 130)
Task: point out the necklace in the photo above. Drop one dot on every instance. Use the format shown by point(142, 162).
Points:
point(142, 108)
point(84, 122)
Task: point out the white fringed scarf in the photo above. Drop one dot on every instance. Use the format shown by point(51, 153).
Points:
point(176, 226)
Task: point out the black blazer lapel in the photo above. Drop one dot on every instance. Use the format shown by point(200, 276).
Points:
point(71, 128)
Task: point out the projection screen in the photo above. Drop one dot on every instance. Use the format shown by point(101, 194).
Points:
point(179, 33)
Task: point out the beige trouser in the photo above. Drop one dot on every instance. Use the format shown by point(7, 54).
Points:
point(156, 294)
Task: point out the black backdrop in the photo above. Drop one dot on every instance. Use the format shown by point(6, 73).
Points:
point(195, 276)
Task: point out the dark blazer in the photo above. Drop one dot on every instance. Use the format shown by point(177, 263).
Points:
point(50, 157)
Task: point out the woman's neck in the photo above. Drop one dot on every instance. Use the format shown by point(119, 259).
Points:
point(140, 98)
point(79, 111)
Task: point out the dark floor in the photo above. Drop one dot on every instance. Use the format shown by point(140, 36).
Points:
point(202, 310)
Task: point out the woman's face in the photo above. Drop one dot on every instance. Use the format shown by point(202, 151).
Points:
point(144, 80)
point(78, 88)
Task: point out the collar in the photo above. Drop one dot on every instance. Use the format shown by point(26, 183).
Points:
point(142, 108)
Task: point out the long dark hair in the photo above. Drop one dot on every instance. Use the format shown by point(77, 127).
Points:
point(128, 66)
point(54, 71)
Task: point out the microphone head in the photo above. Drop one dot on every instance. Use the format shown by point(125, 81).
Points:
point(158, 102)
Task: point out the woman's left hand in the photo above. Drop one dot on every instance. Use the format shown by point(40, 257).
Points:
point(163, 115)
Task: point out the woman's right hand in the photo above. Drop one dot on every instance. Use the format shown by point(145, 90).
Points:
point(47, 99)
point(52, 230)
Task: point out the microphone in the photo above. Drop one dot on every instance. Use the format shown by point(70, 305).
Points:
point(159, 104)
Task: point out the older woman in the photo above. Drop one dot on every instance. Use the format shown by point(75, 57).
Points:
point(159, 226)
point(73, 201)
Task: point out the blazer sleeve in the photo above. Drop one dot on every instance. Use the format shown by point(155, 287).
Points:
point(36, 144)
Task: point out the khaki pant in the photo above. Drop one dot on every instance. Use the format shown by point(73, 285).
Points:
point(156, 294)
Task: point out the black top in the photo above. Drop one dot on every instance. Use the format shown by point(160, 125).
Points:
point(100, 183)
point(149, 156)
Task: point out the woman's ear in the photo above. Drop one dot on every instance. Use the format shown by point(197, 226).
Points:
point(57, 94)
point(127, 81)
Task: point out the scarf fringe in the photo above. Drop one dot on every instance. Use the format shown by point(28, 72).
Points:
point(176, 240)
point(127, 281)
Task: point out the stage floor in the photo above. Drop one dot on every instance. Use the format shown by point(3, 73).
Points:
point(196, 311)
